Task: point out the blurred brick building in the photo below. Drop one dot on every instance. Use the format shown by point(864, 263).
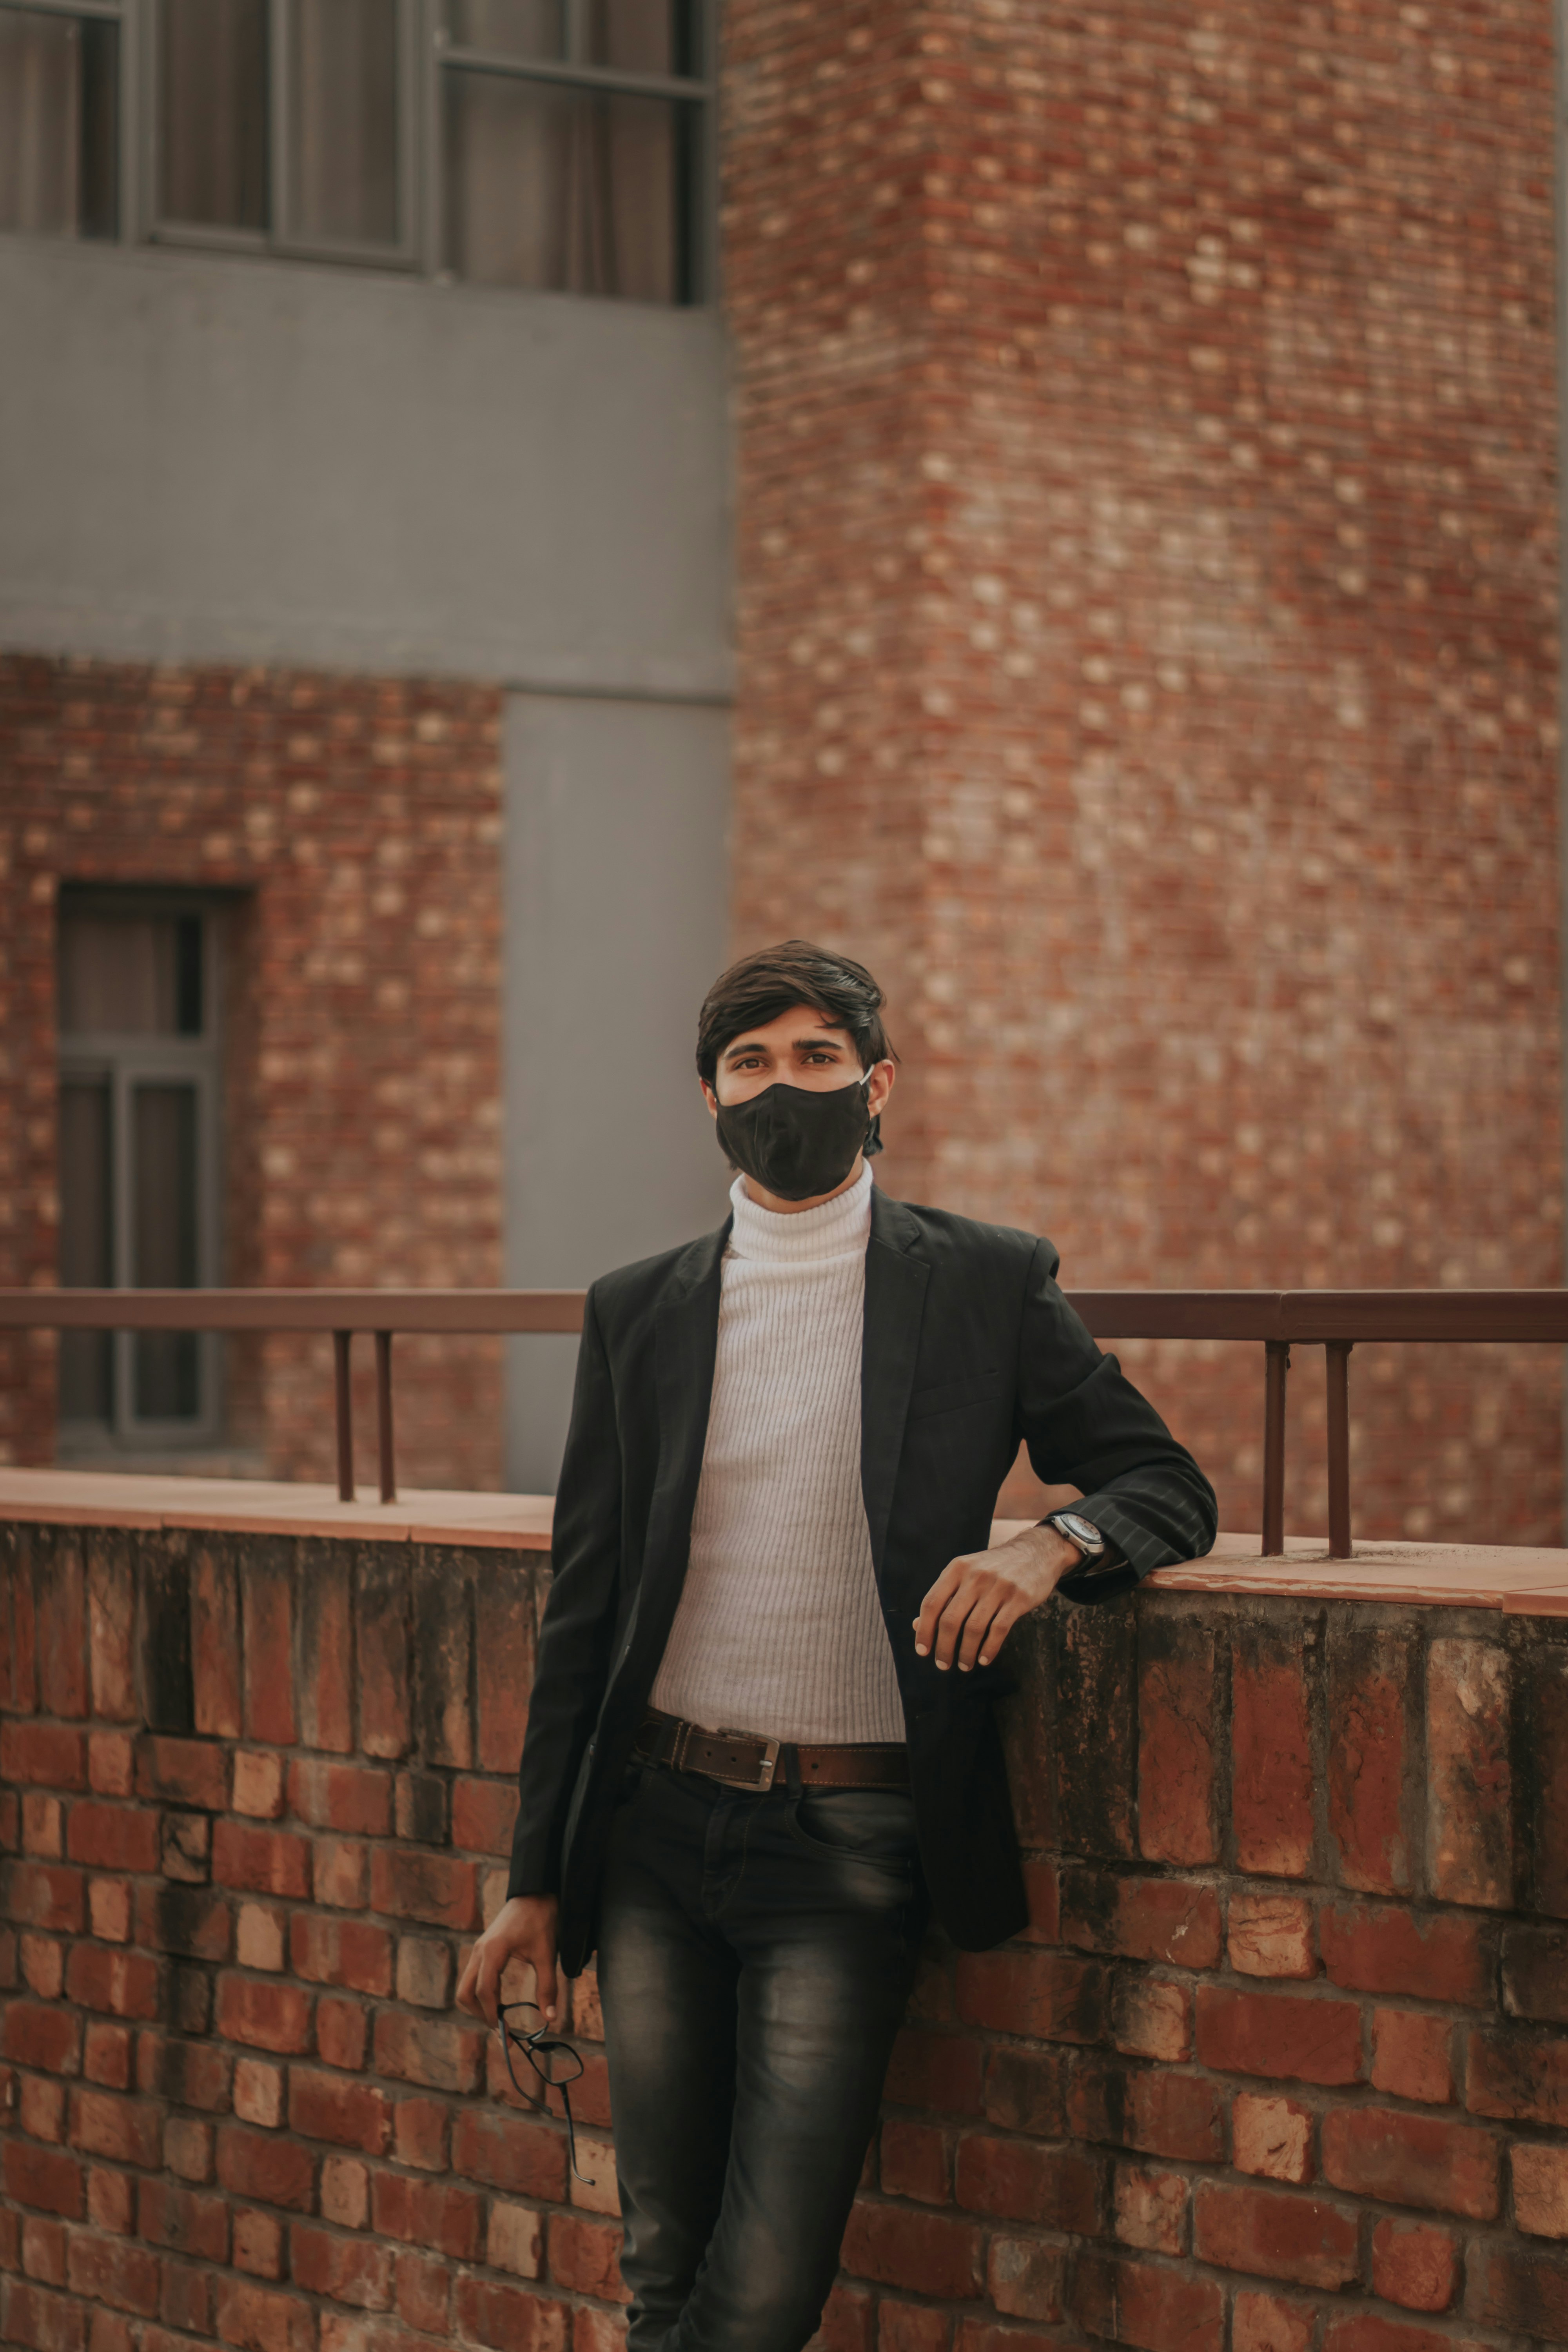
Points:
point(1145, 462)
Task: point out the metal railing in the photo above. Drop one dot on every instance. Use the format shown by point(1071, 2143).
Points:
point(1335, 1320)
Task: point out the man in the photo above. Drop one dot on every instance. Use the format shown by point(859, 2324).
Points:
point(760, 1743)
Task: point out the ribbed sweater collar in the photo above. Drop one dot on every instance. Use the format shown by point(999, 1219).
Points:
point(837, 1228)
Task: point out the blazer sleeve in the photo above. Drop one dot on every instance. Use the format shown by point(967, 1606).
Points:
point(1087, 1426)
point(576, 1639)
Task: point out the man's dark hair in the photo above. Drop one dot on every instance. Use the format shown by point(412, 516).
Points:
point(768, 981)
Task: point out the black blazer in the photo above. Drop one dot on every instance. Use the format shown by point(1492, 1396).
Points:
point(969, 1345)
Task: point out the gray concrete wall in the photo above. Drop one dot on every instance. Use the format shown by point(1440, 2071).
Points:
point(204, 458)
point(617, 916)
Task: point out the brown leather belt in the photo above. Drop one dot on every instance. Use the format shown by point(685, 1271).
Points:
point(741, 1760)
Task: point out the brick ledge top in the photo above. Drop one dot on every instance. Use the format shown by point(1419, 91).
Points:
point(1511, 1578)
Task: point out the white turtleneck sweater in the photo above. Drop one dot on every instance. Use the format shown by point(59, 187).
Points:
point(779, 1629)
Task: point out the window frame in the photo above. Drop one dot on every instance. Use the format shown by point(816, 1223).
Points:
point(426, 55)
point(125, 1060)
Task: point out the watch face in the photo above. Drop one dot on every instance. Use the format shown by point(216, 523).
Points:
point(1081, 1530)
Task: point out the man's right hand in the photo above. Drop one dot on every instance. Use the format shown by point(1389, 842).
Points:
point(523, 1929)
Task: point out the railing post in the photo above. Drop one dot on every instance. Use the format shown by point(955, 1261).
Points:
point(1277, 1361)
point(1339, 1355)
point(341, 1342)
point(384, 1417)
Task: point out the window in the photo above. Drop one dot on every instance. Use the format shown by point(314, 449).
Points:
point(551, 143)
point(138, 1113)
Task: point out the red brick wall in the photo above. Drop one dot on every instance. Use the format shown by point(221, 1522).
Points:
point(359, 818)
point(1147, 579)
point(1284, 2050)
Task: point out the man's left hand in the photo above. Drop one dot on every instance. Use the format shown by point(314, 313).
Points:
point(979, 1598)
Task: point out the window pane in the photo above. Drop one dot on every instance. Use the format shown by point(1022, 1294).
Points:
point(164, 1242)
point(87, 1247)
point(343, 119)
point(212, 98)
point(516, 28)
point(565, 188)
point(130, 975)
point(657, 36)
point(58, 122)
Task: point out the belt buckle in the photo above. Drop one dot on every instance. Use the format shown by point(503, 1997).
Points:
point(767, 1770)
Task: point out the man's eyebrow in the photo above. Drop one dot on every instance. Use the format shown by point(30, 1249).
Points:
point(797, 1045)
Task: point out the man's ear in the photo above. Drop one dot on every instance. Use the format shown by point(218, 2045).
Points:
point(881, 1086)
point(709, 1097)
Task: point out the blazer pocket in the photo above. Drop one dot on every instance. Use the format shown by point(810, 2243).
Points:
point(950, 1396)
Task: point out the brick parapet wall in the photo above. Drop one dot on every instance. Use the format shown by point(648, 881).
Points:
point(1147, 443)
point(353, 824)
point(1281, 2065)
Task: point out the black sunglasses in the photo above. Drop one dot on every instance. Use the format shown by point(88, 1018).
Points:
point(555, 2061)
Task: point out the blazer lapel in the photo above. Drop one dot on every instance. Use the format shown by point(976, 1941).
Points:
point(685, 1341)
point(894, 1301)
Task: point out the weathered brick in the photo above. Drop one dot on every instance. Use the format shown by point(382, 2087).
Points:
point(261, 2319)
point(1414, 2264)
point(1525, 2293)
point(1170, 1919)
point(1408, 2160)
point(436, 2053)
point(1270, 2322)
point(1018, 2180)
point(422, 2291)
point(932, 2253)
point(1154, 2109)
point(439, 2215)
point(261, 1862)
point(1177, 1718)
point(1271, 1765)
point(52, 1755)
point(273, 2171)
point(184, 2220)
point(915, 2161)
point(106, 2056)
point(354, 1799)
point(1412, 2055)
point(503, 1659)
point(62, 1629)
point(1275, 2234)
point(583, 2254)
point(124, 1983)
point(183, 1772)
point(1050, 1996)
point(1435, 1955)
point(348, 2270)
point(1519, 2077)
point(342, 2032)
point(1151, 2017)
point(128, 2131)
point(1269, 1934)
point(443, 1658)
point(267, 1613)
point(326, 1649)
point(191, 1920)
point(425, 1972)
point(260, 2093)
point(257, 1783)
point(937, 2070)
point(1469, 1826)
point(325, 2106)
point(1272, 2139)
point(44, 2178)
point(1150, 2210)
point(1094, 1753)
point(1371, 1670)
point(1535, 1972)
point(108, 2270)
point(43, 1894)
point(510, 2153)
point(382, 1657)
point(1283, 2035)
point(1540, 2189)
point(506, 2318)
point(112, 1627)
point(483, 1813)
point(1143, 2303)
point(113, 1837)
point(1543, 1676)
point(36, 2033)
point(214, 1640)
point(351, 1952)
point(274, 2017)
point(435, 1889)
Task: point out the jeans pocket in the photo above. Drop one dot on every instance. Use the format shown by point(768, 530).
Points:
point(875, 1826)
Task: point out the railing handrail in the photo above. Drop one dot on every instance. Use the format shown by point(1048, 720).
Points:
point(1305, 1317)
point(1333, 1319)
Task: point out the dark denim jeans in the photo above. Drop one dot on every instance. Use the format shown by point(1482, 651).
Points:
point(755, 1955)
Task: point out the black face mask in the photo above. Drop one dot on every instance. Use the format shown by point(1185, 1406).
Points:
point(795, 1142)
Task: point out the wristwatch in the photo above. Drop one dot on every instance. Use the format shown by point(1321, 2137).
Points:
point(1083, 1532)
